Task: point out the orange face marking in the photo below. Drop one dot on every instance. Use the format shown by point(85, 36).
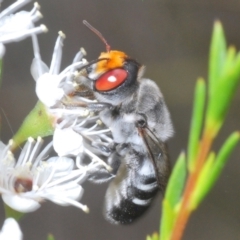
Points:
point(116, 60)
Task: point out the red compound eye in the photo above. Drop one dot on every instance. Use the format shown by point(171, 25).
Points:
point(110, 80)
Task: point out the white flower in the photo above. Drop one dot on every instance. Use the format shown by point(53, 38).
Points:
point(30, 180)
point(51, 84)
point(18, 26)
point(10, 230)
point(82, 135)
point(67, 141)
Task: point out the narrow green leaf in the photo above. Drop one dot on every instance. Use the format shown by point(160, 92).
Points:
point(222, 157)
point(37, 123)
point(50, 237)
point(196, 122)
point(202, 182)
point(167, 220)
point(173, 196)
point(230, 59)
point(213, 172)
point(217, 55)
point(153, 237)
point(176, 181)
point(223, 93)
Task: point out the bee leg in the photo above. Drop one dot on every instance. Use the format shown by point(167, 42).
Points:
point(116, 157)
point(101, 175)
point(97, 107)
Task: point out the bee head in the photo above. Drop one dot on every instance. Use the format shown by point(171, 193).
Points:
point(114, 74)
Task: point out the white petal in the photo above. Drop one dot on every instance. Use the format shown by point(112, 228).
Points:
point(17, 22)
point(62, 164)
point(20, 204)
point(66, 141)
point(47, 89)
point(2, 50)
point(38, 68)
point(74, 192)
point(10, 230)
point(2, 147)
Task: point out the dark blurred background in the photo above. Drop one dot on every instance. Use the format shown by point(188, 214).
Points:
point(170, 37)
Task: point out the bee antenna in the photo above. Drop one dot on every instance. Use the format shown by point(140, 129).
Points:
point(108, 48)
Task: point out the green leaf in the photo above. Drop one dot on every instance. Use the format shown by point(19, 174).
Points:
point(230, 59)
point(217, 55)
point(196, 122)
point(50, 237)
point(212, 169)
point(153, 237)
point(173, 196)
point(176, 181)
point(224, 78)
point(222, 157)
point(37, 123)
point(223, 93)
point(202, 182)
point(167, 220)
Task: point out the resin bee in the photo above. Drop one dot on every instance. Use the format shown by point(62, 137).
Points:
point(134, 109)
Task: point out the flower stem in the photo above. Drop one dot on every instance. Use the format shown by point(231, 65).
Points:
point(185, 208)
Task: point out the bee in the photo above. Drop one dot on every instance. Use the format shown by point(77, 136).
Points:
point(134, 109)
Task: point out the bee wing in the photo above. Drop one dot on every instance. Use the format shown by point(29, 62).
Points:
point(157, 154)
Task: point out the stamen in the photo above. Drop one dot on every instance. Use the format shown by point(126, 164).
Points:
point(28, 151)
point(6, 150)
point(37, 56)
point(42, 154)
point(36, 149)
point(90, 129)
point(49, 178)
point(99, 132)
point(96, 158)
point(106, 138)
point(72, 66)
point(36, 7)
point(23, 34)
point(78, 57)
point(67, 178)
point(72, 202)
point(75, 111)
point(14, 7)
point(36, 16)
point(57, 54)
point(24, 151)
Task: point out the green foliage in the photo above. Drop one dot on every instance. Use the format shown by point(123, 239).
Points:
point(50, 237)
point(37, 123)
point(212, 169)
point(203, 165)
point(224, 72)
point(173, 196)
point(11, 213)
point(196, 122)
point(153, 237)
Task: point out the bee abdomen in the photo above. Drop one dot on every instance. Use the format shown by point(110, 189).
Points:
point(120, 209)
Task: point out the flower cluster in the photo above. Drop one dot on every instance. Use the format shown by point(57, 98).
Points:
point(79, 134)
point(32, 178)
point(15, 27)
point(58, 91)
